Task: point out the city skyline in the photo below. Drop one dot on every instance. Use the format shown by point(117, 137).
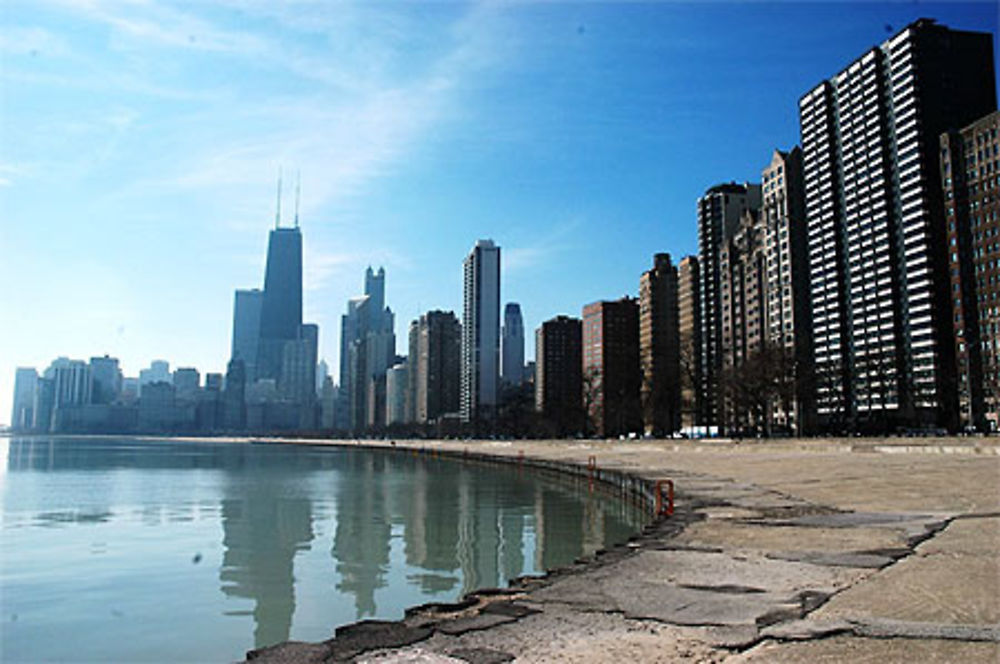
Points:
point(109, 266)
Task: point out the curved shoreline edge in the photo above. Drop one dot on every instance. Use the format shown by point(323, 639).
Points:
point(801, 561)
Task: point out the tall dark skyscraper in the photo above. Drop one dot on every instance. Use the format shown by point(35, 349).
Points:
point(880, 292)
point(281, 303)
point(512, 345)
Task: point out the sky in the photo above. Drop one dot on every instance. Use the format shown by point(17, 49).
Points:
point(141, 144)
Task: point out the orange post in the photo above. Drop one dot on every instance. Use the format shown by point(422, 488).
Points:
point(664, 504)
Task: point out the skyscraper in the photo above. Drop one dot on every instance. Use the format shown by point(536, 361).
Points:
point(611, 379)
point(434, 365)
point(689, 317)
point(786, 284)
point(395, 393)
point(659, 348)
point(367, 346)
point(246, 328)
point(970, 176)
point(481, 332)
point(719, 212)
point(559, 374)
point(107, 379)
point(281, 301)
point(25, 386)
point(884, 346)
point(512, 345)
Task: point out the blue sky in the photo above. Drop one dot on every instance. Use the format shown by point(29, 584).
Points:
point(140, 143)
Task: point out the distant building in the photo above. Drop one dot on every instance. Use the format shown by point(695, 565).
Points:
point(880, 293)
point(481, 332)
point(368, 348)
point(72, 382)
point(559, 374)
point(159, 410)
point(44, 404)
point(719, 213)
point(213, 382)
point(435, 343)
point(234, 405)
point(298, 367)
point(376, 408)
point(512, 345)
point(611, 379)
point(689, 317)
point(187, 382)
point(970, 174)
point(659, 348)
point(328, 405)
point(25, 387)
point(158, 372)
point(246, 328)
point(395, 394)
point(107, 377)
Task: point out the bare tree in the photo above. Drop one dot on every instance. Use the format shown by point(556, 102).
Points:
point(593, 401)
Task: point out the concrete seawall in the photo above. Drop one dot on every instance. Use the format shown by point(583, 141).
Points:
point(793, 550)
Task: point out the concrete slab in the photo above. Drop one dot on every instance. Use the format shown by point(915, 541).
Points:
point(837, 649)
point(698, 588)
point(942, 588)
point(735, 535)
point(972, 536)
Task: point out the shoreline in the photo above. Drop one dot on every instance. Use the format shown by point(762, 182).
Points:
point(790, 550)
point(779, 550)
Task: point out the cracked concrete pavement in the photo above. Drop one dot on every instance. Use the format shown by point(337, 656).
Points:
point(795, 551)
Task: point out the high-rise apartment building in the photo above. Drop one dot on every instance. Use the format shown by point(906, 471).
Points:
point(435, 366)
point(481, 332)
point(246, 328)
point(611, 379)
point(559, 374)
point(659, 348)
point(970, 178)
point(689, 329)
point(719, 212)
point(786, 284)
point(884, 352)
point(512, 345)
point(25, 386)
point(741, 291)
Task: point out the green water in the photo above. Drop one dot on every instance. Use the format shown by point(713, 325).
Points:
point(138, 550)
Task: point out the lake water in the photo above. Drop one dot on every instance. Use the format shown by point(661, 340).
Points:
point(153, 550)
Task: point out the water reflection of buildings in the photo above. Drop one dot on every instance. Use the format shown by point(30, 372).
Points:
point(361, 540)
point(460, 526)
point(266, 521)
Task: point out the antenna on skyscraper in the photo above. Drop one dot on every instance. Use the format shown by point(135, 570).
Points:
point(277, 211)
point(298, 182)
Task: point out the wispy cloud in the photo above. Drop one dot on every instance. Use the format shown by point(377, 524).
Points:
point(542, 250)
point(33, 41)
